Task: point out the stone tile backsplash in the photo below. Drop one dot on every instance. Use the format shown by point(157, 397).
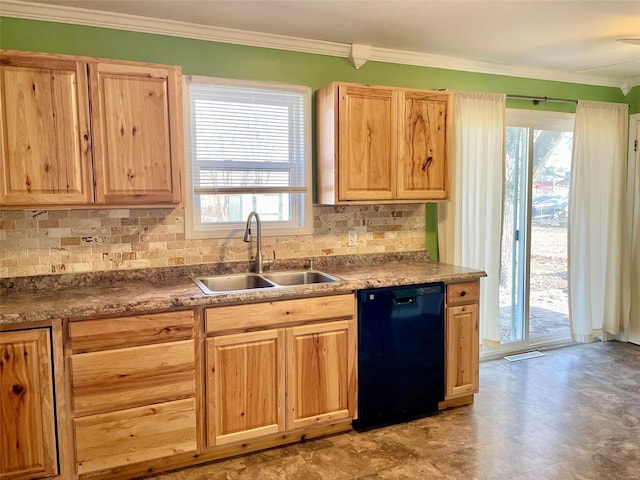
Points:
point(43, 242)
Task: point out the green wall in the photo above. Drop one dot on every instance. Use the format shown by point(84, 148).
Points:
point(633, 99)
point(198, 57)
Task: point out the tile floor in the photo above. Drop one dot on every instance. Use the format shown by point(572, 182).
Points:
point(571, 414)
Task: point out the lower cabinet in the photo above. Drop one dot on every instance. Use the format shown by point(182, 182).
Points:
point(27, 414)
point(133, 390)
point(299, 374)
point(462, 340)
point(245, 380)
point(133, 398)
point(319, 360)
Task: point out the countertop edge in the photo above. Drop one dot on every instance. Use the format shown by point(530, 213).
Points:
point(130, 298)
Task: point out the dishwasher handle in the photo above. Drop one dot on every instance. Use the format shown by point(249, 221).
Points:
point(404, 301)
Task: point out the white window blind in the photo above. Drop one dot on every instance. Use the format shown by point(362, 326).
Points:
point(249, 150)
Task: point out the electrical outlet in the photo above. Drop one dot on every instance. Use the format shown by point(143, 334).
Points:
point(352, 239)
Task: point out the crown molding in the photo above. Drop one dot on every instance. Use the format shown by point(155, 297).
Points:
point(118, 21)
point(451, 63)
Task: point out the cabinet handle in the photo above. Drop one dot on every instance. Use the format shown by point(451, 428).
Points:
point(463, 293)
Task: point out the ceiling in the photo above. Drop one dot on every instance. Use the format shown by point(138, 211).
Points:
point(572, 40)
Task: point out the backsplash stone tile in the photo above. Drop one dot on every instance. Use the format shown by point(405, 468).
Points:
point(43, 242)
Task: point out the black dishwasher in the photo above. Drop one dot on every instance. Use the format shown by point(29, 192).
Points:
point(400, 353)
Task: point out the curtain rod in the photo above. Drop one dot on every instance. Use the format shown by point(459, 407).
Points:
point(537, 100)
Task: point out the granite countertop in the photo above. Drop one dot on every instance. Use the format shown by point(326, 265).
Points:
point(117, 293)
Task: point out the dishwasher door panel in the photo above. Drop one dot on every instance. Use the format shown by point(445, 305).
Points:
point(401, 353)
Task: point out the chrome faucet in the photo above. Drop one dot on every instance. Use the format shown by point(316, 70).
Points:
point(260, 263)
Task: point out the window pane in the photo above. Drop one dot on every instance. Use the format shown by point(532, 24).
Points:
point(240, 129)
point(252, 133)
point(221, 177)
point(513, 236)
point(234, 208)
point(548, 290)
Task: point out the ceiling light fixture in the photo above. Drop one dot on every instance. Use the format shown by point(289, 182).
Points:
point(632, 41)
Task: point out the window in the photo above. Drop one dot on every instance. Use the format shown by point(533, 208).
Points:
point(249, 148)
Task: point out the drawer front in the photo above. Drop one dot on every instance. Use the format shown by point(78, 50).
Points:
point(135, 435)
point(128, 377)
point(92, 335)
point(236, 317)
point(466, 292)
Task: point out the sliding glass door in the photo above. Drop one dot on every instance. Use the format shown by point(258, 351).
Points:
point(533, 283)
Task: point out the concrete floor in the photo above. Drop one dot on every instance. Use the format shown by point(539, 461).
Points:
point(571, 414)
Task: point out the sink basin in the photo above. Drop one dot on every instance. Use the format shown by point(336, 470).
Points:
point(298, 277)
point(250, 281)
point(232, 283)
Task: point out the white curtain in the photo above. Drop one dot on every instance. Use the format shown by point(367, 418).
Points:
point(470, 224)
point(597, 238)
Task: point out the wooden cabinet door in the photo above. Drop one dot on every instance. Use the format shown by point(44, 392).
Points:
point(462, 350)
point(367, 145)
point(245, 386)
point(44, 126)
point(136, 113)
point(27, 420)
point(422, 145)
point(321, 373)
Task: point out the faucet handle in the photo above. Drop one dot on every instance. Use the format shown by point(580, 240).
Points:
point(268, 262)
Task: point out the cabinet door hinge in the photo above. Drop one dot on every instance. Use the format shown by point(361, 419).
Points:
point(635, 145)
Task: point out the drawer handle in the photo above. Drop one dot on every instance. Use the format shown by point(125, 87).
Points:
point(463, 293)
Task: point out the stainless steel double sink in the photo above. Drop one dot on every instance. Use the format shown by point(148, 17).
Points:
point(251, 281)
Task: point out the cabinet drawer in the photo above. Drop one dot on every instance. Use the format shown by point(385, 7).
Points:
point(135, 435)
point(465, 292)
point(91, 335)
point(237, 317)
point(128, 377)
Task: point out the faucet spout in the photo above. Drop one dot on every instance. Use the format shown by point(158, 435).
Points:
point(247, 238)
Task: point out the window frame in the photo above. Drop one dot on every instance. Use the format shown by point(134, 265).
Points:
point(301, 211)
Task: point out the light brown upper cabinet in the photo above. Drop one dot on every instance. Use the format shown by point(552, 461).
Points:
point(80, 131)
point(46, 138)
point(382, 144)
point(136, 118)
